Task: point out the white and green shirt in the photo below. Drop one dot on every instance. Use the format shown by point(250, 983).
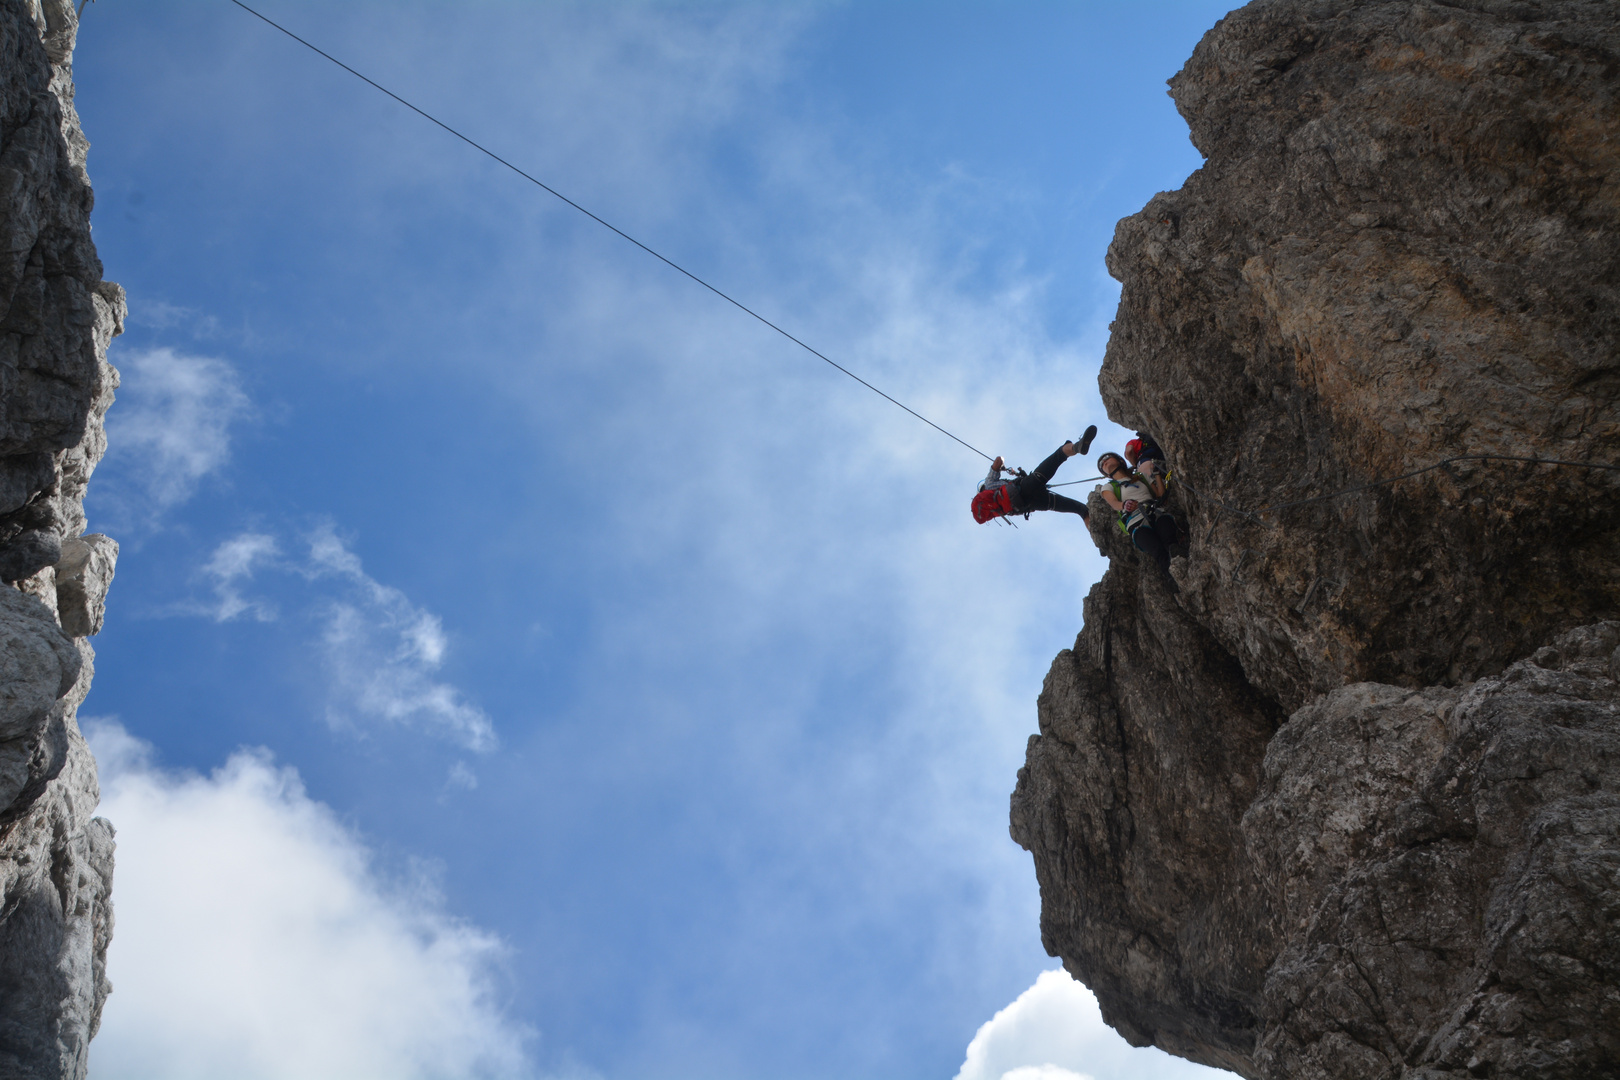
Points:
point(1134, 487)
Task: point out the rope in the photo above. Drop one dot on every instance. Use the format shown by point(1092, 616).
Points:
point(607, 225)
point(1254, 515)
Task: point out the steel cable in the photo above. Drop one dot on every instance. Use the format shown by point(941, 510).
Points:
point(607, 225)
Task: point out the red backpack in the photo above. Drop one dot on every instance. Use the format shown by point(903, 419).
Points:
point(992, 503)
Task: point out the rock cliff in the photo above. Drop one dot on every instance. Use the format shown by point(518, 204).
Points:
point(57, 317)
point(1347, 803)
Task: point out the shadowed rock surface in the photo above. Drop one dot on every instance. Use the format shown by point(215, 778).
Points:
point(57, 317)
point(1348, 803)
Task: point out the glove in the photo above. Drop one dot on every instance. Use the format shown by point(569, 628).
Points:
point(1130, 506)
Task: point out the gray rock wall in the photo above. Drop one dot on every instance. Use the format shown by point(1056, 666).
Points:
point(57, 317)
point(1445, 864)
point(1316, 814)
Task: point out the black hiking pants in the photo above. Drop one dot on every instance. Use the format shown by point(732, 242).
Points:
point(1030, 492)
point(1155, 536)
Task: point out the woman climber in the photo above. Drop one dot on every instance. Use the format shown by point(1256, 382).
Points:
point(1136, 497)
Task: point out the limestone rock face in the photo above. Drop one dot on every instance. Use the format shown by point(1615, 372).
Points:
point(1343, 805)
point(57, 317)
point(1446, 865)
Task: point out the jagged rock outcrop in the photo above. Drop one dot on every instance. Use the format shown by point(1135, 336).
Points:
point(1445, 864)
point(1345, 805)
point(57, 317)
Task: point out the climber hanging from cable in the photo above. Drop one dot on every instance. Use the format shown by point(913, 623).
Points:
point(1151, 527)
point(1024, 493)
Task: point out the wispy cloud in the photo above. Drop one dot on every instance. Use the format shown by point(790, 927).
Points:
point(258, 940)
point(461, 775)
point(162, 315)
point(171, 426)
point(382, 653)
point(232, 563)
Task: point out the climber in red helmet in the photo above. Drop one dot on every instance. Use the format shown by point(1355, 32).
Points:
point(1144, 455)
point(1024, 493)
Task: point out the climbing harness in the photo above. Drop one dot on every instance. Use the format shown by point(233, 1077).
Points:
point(607, 225)
point(1145, 512)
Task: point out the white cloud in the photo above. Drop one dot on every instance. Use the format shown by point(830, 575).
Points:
point(233, 562)
point(1044, 1072)
point(381, 652)
point(162, 315)
point(257, 940)
point(1055, 1031)
point(171, 425)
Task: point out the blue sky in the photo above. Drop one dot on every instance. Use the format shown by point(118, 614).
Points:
point(520, 656)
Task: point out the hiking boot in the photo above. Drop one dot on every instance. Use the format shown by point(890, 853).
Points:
point(1085, 440)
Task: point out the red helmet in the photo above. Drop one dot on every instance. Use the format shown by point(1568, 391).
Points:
point(1133, 450)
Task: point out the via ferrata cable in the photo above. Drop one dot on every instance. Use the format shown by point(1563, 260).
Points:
point(607, 225)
